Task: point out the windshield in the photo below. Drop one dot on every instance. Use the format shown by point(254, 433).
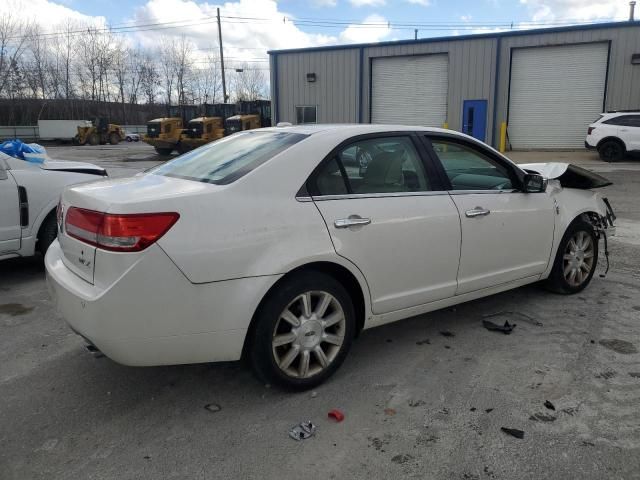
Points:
point(228, 159)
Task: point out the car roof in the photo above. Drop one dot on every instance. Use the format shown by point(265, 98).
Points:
point(617, 114)
point(353, 128)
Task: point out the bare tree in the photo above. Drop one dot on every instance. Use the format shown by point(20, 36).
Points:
point(13, 41)
point(250, 83)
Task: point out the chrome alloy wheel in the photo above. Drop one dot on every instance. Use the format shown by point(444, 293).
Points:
point(308, 334)
point(578, 258)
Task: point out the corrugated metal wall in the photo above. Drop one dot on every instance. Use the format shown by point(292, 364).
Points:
point(623, 82)
point(472, 72)
point(335, 90)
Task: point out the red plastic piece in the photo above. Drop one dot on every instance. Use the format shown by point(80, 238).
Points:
point(337, 415)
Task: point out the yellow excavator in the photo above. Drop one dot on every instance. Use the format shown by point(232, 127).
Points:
point(163, 134)
point(99, 132)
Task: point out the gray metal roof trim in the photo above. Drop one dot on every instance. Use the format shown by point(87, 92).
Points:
point(509, 33)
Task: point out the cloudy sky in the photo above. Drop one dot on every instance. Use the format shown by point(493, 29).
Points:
point(251, 27)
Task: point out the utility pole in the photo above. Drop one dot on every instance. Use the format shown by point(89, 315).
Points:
point(415, 34)
point(632, 7)
point(224, 82)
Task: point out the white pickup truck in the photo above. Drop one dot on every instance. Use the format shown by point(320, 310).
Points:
point(29, 194)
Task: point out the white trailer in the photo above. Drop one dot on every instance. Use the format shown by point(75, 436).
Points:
point(59, 129)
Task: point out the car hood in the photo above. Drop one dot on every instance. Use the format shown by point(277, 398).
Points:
point(76, 167)
point(569, 175)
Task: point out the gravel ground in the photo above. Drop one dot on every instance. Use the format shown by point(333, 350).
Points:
point(418, 403)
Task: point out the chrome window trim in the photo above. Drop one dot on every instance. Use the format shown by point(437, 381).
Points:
point(355, 196)
point(470, 192)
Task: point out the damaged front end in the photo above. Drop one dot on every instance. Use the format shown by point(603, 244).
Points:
point(572, 176)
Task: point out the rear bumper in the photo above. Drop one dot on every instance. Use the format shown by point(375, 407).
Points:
point(152, 315)
point(589, 147)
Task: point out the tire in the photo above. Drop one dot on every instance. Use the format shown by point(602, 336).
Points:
point(583, 262)
point(47, 234)
point(284, 364)
point(129, 139)
point(611, 151)
point(94, 139)
point(114, 138)
point(137, 140)
point(163, 151)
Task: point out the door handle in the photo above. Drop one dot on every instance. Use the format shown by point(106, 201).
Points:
point(477, 212)
point(351, 221)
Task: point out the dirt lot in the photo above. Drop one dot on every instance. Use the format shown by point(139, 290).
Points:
point(423, 398)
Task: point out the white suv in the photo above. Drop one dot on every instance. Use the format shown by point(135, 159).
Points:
point(614, 135)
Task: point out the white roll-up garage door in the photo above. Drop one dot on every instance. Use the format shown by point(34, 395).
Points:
point(410, 90)
point(555, 93)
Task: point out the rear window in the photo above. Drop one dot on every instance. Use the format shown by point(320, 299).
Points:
point(228, 159)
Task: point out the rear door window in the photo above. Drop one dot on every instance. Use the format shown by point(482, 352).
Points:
point(228, 159)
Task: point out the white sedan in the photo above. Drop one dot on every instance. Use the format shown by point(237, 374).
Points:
point(29, 193)
point(267, 245)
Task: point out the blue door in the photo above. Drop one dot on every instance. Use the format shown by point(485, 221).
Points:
point(474, 118)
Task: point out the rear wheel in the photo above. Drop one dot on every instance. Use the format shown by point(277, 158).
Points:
point(164, 151)
point(576, 260)
point(303, 332)
point(94, 139)
point(129, 139)
point(114, 138)
point(611, 151)
point(47, 234)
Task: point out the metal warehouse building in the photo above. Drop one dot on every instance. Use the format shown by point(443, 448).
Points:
point(547, 85)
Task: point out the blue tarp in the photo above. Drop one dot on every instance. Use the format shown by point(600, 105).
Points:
point(17, 149)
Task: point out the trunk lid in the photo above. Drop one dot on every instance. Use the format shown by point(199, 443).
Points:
point(146, 193)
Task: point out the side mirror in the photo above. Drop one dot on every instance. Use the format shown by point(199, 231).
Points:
point(534, 183)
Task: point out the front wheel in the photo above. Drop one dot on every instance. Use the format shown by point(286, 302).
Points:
point(576, 260)
point(303, 332)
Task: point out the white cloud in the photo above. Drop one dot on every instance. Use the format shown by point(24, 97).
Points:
point(580, 10)
point(49, 15)
point(367, 3)
point(424, 3)
point(325, 3)
point(465, 18)
point(370, 33)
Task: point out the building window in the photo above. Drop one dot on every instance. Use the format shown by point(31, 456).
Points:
point(306, 114)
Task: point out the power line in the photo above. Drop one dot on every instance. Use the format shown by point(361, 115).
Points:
point(303, 21)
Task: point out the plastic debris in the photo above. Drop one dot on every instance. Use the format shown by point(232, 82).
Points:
point(549, 405)
point(24, 151)
point(314, 394)
point(507, 328)
point(336, 414)
point(302, 431)
point(213, 407)
point(514, 432)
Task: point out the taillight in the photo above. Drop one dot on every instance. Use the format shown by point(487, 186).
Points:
point(118, 232)
point(590, 129)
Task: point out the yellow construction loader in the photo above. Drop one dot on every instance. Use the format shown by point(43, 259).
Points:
point(164, 134)
point(253, 114)
point(200, 131)
point(99, 132)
